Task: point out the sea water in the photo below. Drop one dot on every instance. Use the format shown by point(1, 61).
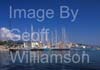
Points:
point(93, 64)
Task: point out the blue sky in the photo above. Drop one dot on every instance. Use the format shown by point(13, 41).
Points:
point(85, 29)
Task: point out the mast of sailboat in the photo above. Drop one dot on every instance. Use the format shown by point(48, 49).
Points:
point(25, 42)
point(63, 36)
point(31, 33)
point(56, 38)
point(52, 38)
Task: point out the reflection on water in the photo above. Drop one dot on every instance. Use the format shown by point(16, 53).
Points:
point(94, 61)
point(4, 58)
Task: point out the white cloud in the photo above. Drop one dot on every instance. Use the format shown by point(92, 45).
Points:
point(5, 34)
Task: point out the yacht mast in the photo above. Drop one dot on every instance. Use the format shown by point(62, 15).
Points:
point(56, 38)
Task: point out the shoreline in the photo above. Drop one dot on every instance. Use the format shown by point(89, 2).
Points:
point(2, 48)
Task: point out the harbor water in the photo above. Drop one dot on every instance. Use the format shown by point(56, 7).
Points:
point(45, 60)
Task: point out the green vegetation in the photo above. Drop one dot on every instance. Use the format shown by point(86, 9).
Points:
point(8, 43)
